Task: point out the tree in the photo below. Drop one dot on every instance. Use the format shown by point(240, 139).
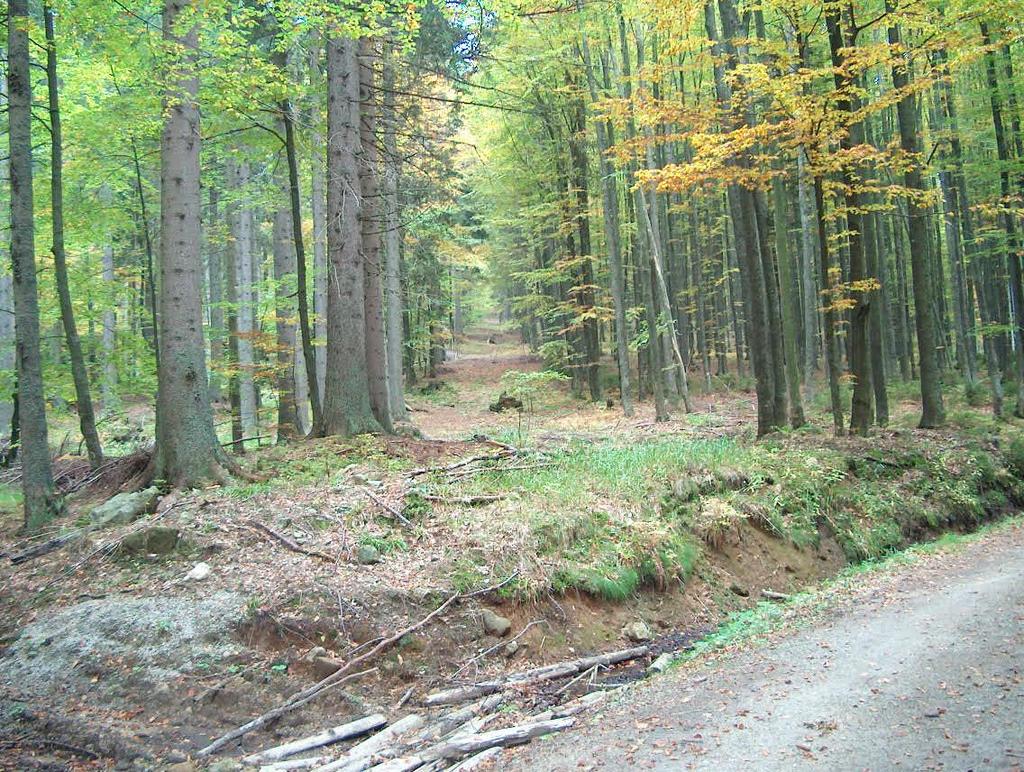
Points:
point(346, 408)
point(187, 451)
point(40, 501)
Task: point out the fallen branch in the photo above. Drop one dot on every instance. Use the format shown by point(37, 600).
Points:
point(495, 647)
point(311, 692)
point(288, 542)
point(504, 453)
point(477, 760)
point(327, 737)
point(388, 508)
point(297, 700)
point(772, 595)
point(45, 547)
point(559, 670)
point(469, 501)
point(287, 766)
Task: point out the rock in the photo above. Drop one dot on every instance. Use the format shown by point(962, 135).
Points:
point(124, 508)
point(325, 666)
point(510, 649)
point(739, 589)
point(368, 555)
point(199, 572)
point(638, 632)
point(224, 765)
point(158, 540)
point(662, 663)
point(495, 624)
point(312, 654)
point(182, 766)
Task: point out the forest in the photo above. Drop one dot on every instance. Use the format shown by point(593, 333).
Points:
point(509, 302)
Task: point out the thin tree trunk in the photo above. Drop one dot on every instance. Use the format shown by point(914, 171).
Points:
point(829, 323)
point(288, 426)
point(392, 246)
point(215, 290)
point(242, 231)
point(318, 204)
point(790, 304)
point(40, 501)
point(1012, 240)
point(86, 415)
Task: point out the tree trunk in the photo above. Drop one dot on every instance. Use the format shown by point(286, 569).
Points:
point(242, 231)
point(40, 502)
point(372, 227)
point(790, 303)
point(346, 408)
point(86, 415)
point(829, 322)
point(318, 204)
point(288, 426)
point(392, 246)
point(932, 410)
point(861, 412)
point(1012, 240)
point(187, 451)
point(215, 291)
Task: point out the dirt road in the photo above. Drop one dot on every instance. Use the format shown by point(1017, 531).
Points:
point(918, 669)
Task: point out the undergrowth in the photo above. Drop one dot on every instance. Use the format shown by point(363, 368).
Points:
point(609, 519)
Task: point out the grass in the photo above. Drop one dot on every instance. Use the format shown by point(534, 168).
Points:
point(609, 519)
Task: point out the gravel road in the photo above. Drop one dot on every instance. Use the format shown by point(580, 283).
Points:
point(918, 668)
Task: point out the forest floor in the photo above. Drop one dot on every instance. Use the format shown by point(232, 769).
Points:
point(596, 531)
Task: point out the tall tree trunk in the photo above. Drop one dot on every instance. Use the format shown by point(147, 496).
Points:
point(288, 426)
point(242, 227)
point(318, 206)
point(808, 260)
point(392, 245)
point(40, 501)
point(86, 415)
point(301, 283)
point(1012, 239)
point(109, 335)
point(861, 412)
point(7, 345)
point(187, 451)
point(829, 322)
point(790, 301)
point(932, 410)
point(372, 227)
point(346, 404)
point(215, 291)
point(744, 222)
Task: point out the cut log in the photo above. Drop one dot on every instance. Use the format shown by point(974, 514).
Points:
point(457, 747)
point(453, 719)
point(404, 764)
point(772, 595)
point(360, 756)
point(560, 670)
point(287, 766)
point(477, 760)
point(328, 736)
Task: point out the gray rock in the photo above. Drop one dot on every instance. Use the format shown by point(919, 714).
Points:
point(199, 572)
point(662, 663)
point(495, 624)
point(368, 555)
point(224, 765)
point(510, 649)
point(638, 632)
point(124, 508)
point(158, 540)
point(312, 654)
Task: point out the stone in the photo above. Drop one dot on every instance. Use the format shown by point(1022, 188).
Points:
point(495, 624)
point(157, 540)
point(637, 632)
point(183, 766)
point(739, 589)
point(124, 508)
point(510, 649)
point(312, 654)
point(662, 663)
point(368, 555)
point(224, 765)
point(199, 572)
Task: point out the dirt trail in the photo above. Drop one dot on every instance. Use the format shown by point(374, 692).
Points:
point(918, 669)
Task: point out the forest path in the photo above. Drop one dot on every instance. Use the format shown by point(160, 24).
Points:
point(921, 668)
